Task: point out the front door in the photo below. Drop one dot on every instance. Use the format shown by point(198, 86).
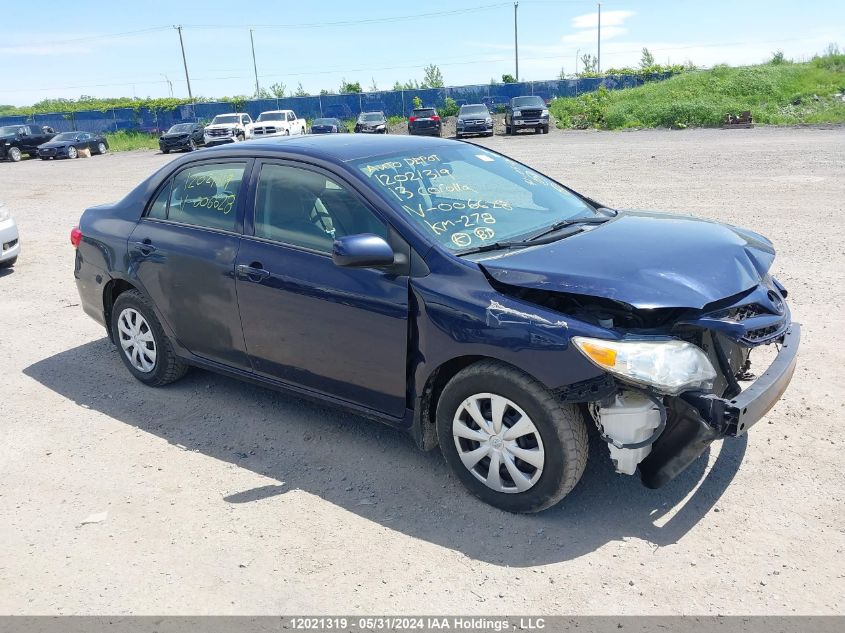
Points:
point(183, 253)
point(306, 321)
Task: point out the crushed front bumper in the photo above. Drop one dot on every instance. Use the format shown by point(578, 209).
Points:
point(696, 419)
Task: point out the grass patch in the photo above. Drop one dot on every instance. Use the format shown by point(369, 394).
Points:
point(775, 93)
point(124, 141)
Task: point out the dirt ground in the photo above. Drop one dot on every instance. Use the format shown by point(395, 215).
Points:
point(221, 497)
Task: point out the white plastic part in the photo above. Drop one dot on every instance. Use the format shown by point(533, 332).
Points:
point(631, 418)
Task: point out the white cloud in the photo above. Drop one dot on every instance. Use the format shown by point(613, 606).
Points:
point(591, 35)
point(608, 18)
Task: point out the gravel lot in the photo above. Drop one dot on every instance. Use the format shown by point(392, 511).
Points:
point(222, 497)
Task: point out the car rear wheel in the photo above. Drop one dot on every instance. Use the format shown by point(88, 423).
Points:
point(508, 439)
point(144, 348)
point(101, 148)
point(14, 154)
point(71, 152)
point(192, 145)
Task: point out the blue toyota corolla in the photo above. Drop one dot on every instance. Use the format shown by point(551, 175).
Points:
point(448, 290)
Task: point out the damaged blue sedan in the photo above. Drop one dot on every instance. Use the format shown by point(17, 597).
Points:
point(450, 291)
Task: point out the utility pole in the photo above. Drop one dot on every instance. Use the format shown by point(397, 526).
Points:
point(169, 84)
point(599, 55)
point(185, 62)
point(577, 54)
point(515, 40)
point(254, 67)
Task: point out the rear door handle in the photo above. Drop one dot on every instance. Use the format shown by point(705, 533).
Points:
point(254, 272)
point(146, 246)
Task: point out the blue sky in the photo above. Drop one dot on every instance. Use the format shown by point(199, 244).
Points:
point(95, 48)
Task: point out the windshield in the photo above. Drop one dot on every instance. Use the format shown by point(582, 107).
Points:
point(527, 102)
point(66, 136)
point(225, 118)
point(180, 128)
point(371, 116)
point(9, 129)
point(325, 122)
point(464, 197)
point(271, 116)
point(474, 110)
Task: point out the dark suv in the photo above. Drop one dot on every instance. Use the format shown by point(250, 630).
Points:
point(527, 113)
point(425, 122)
point(16, 140)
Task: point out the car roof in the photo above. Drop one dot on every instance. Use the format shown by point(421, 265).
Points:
point(336, 147)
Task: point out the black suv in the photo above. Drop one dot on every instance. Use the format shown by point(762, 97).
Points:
point(527, 113)
point(371, 123)
point(425, 122)
point(16, 140)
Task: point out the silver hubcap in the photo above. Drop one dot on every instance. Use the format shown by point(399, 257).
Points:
point(102, 148)
point(137, 340)
point(498, 443)
point(71, 152)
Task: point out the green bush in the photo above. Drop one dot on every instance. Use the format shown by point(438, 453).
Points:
point(775, 93)
point(124, 141)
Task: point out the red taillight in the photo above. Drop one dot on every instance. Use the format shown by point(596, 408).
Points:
point(435, 118)
point(411, 119)
point(75, 236)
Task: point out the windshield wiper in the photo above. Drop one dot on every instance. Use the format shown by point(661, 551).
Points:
point(546, 234)
point(557, 226)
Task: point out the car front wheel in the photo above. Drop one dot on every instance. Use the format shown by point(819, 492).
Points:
point(101, 148)
point(71, 152)
point(508, 439)
point(144, 348)
point(14, 154)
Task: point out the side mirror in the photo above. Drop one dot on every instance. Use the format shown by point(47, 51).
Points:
point(364, 250)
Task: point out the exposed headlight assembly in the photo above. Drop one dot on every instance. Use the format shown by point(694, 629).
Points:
point(670, 366)
point(544, 113)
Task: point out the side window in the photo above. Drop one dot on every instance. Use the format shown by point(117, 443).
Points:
point(305, 208)
point(206, 195)
point(291, 117)
point(158, 209)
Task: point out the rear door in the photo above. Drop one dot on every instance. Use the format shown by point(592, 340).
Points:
point(183, 254)
point(339, 331)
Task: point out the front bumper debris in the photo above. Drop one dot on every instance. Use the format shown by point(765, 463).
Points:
point(697, 418)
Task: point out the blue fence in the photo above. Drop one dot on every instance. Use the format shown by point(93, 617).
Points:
point(342, 106)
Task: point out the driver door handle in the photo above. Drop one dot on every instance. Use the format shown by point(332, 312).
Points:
point(146, 246)
point(254, 272)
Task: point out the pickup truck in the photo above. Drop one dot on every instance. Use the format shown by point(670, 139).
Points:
point(277, 123)
point(527, 113)
point(228, 128)
point(16, 140)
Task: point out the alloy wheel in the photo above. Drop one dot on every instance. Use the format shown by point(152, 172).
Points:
point(136, 339)
point(101, 148)
point(498, 443)
point(71, 152)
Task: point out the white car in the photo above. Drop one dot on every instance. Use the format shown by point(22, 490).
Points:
point(10, 246)
point(228, 128)
point(277, 123)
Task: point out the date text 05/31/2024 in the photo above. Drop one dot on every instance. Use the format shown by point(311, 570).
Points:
point(428, 623)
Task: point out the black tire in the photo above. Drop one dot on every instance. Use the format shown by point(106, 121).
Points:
point(192, 146)
point(545, 129)
point(458, 136)
point(242, 138)
point(512, 130)
point(101, 148)
point(168, 367)
point(560, 426)
point(45, 158)
point(14, 154)
point(9, 262)
point(165, 151)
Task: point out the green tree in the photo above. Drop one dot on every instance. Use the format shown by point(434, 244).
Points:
point(777, 58)
point(647, 59)
point(432, 78)
point(278, 89)
point(300, 91)
point(373, 87)
point(417, 102)
point(562, 73)
point(324, 92)
point(589, 64)
point(507, 78)
point(347, 87)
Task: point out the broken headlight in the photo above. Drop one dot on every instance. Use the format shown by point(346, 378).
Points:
point(670, 366)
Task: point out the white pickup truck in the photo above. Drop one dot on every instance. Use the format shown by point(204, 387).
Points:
point(228, 128)
point(277, 123)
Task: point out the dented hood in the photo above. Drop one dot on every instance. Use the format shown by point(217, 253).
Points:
point(645, 259)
